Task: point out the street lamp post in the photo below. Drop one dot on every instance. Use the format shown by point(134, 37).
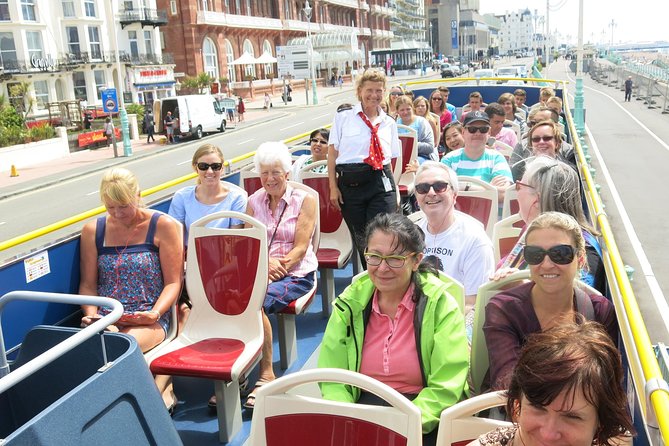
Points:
point(431, 45)
point(123, 115)
point(579, 114)
point(307, 12)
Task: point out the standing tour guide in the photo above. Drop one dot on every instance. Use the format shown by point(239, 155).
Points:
point(362, 141)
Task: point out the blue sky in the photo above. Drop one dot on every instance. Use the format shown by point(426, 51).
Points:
point(636, 20)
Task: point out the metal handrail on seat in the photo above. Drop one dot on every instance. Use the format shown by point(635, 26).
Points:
point(7, 379)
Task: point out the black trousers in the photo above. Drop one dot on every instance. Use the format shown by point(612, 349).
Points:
point(364, 195)
point(628, 95)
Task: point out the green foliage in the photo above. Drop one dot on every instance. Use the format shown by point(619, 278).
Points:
point(41, 131)
point(199, 82)
point(136, 109)
point(9, 117)
point(10, 136)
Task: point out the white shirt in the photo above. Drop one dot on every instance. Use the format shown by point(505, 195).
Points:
point(351, 136)
point(464, 250)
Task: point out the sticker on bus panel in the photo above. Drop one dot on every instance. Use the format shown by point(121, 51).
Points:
point(37, 266)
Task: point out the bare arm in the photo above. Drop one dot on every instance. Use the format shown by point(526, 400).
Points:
point(335, 194)
point(306, 221)
point(275, 269)
point(88, 262)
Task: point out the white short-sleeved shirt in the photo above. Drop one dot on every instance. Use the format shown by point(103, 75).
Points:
point(464, 251)
point(351, 136)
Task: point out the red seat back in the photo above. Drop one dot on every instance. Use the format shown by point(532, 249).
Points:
point(252, 184)
point(407, 142)
point(221, 259)
point(330, 217)
point(476, 207)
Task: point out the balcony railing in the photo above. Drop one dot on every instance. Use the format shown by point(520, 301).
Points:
point(381, 10)
point(146, 59)
point(347, 3)
point(237, 21)
point(144, 16)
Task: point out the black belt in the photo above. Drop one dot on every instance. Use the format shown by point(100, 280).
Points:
point(358, 167)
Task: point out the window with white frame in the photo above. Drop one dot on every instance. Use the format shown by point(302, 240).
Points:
point(4, 11)
point(230, 57)
point(227, 6)
point(79, 81)
point(28, 10)
point(205, 5)
point(173, 7)
point(73, 43)
point(249, 70)
point(210, 56)
point(127, 5)
point(148, 42)
point(41, 94)
point(248, 7)
point(100, 82)
point(286, 9)
point(34, 41)
point(8, 52)
point(94, 41)
point(68, 8)
point(238, 7)
point(89, 8)
point(134, 47)
point(267, 48)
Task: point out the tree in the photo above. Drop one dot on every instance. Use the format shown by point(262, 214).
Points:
point(20, 99)
point(200, 82)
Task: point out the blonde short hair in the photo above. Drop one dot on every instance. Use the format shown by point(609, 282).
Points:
point(119, 185)
point(370, 75)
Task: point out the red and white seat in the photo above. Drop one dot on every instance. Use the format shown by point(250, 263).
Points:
point(249, 179)
point(458, 424)
point(510, 205)
point(336, 246)
point(226, 278)
point(287, 331)
point(505, 234)
point(478, 199)
point(504, 149)
point(281, 418)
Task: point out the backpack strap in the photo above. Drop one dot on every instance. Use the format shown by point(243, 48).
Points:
point(584, 304)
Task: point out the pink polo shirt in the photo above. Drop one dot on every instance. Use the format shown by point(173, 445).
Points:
point(389, 352)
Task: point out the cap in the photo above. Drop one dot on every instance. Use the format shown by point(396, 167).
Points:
point(476, 116)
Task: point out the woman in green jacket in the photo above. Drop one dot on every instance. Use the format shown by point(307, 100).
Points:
point(401, 324)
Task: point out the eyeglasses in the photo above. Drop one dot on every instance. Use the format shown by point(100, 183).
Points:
point(519, 184)
point(473, 130)
point(214, 166)
point(318, 141)
point(559, 254)
point(438, 186)
point(437, 98)
point(542, 138)
point(393, 261)
point(396, 93)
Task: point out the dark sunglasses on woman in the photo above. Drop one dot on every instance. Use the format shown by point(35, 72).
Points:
point(205, 166)
point(559, 254)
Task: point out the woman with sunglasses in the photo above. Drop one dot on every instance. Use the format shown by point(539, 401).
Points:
point(555, 251)
point(395, 92)
point(209, 195)
point(551, 185)
point(319, 152)
point(400, 324)
point(438, 107)
point(422, 108)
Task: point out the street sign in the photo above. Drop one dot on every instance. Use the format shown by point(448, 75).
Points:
point(109, 100)
point(293, 61)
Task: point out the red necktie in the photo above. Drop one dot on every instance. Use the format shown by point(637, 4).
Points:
point(375, 158)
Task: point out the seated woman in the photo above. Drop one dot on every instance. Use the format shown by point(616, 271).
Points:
point(567, 388)
point(452, 138)
point(421, 108)
point(424, 135)
point(555, 250)
point(375, 316)
point(290, 216)
point(551, 185)
point(438, 107)
point(133, 255)
point(545, 139)
point(395, 92)
point(511, 113)
point(209, 195)
point(319, 152)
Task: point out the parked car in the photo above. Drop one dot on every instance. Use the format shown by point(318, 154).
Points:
point(447, 70)
point(522, 69)
point(484, 72)
point(194, 115)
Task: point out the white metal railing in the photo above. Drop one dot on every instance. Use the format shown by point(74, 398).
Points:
point(237, 21)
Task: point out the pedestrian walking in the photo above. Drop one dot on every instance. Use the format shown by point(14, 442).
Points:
point(109, 130)
point(168, 123)
point(148, 124)
point(241, 108)
point(340, 81)
point(628, 89)
point(267, 102)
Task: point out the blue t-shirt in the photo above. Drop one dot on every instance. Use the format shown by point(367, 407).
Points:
point(187, 209)
point(487, 167)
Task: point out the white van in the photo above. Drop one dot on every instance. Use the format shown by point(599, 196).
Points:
point(194, 115)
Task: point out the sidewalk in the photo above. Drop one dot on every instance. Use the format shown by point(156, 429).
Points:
point(87, 161)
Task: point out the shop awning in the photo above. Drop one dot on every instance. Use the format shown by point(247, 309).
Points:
point(166, 84)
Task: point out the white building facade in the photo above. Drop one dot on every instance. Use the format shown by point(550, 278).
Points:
point(68, 50)
point(516, 30)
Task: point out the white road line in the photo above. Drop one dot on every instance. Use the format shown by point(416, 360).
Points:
point(291, 126)
point(653, 285)
point(184, 162)
point(646, 268)
point(2, 223)
point(92, 193)
point(244, 142)
point(321, 116)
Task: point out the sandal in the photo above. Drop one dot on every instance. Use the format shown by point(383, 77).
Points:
point(242, 386)
point(251, 399)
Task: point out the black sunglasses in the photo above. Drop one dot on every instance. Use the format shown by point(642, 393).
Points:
point(559, 254)
point(473, 130)
point(318, 141)
point(542, 138)
point(214, 166)
point(438, 186)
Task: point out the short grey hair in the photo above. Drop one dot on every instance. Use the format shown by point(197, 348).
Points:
point(270, 153)
point(435, 165)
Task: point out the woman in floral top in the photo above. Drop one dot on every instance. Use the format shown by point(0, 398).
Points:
point(319, 152)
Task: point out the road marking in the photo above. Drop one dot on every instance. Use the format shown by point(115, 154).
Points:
point(2, 223)
point(321, 116)
point(291, 126)
point(646, 268)
point(184, 162)
point(244, 142)
point(92, 193)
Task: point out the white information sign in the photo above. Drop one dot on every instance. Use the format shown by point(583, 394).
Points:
point(37, 266)
point(293, 61)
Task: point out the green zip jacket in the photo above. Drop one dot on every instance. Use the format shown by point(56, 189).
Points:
point(443, 351)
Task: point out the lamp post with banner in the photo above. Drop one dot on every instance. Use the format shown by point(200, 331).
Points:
point(123, 114)
point(307, 13)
